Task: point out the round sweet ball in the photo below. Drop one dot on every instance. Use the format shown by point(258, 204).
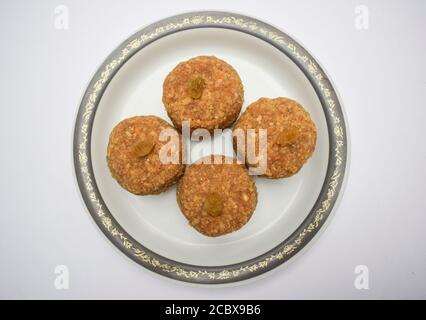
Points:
point(290, 136)
point(134, 155)
point(206, 91)
point(217, 195)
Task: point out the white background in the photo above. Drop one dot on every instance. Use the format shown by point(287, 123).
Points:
point(380, 223)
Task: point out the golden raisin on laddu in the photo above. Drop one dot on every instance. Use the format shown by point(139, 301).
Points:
point(288, 136)
point(196, 87)
point(213, 204)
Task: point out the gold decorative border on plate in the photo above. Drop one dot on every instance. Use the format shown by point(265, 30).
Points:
point(113, 229)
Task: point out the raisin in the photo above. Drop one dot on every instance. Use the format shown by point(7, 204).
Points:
point(196, 87)
point(213, 204)
point(288, 136)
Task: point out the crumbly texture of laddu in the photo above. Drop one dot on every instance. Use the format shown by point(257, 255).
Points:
point(231, 181)
point(276, 116)
point(221, 99)
point(142, 175)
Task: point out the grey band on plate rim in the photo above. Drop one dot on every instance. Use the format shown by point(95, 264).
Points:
point(246, 269)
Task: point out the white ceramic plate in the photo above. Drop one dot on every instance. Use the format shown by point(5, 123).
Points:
point(151, 229)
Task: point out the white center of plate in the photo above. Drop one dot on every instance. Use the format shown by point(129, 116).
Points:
point(156, 221)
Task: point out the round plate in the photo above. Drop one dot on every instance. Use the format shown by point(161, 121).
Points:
point(151, 229)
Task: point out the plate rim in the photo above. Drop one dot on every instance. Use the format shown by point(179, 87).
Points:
point(314, 221)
